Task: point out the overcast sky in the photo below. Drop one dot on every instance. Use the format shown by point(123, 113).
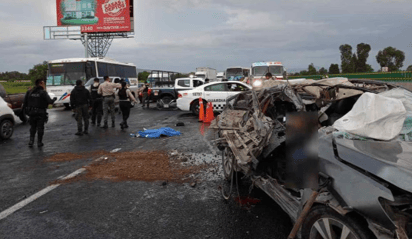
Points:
point(181, 35)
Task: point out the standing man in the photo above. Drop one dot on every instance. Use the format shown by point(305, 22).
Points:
point(36, 102)
point(96, 102)
point(107, 90)
point(125, 97)
point(80, 101)
point(146, 95)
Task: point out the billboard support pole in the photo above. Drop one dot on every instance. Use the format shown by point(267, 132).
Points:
point(86, 45)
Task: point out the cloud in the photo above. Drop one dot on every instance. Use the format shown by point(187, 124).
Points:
point(181, 35)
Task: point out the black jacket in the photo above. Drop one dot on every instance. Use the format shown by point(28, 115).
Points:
point(37, 98)
point(94, 95)
point(79, 96)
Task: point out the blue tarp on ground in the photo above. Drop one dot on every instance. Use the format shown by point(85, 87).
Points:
point(156, 133)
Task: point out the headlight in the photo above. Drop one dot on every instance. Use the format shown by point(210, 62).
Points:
point(257, 83)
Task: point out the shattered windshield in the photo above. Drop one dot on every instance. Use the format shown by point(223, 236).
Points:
point(66, 74)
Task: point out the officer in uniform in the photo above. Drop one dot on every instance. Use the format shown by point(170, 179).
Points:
point(36, 102)
point(96, 102)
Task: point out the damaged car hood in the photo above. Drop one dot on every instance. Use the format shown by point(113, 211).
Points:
point(390, 161)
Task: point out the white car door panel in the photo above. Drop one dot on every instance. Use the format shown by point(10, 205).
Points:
point(217, 94)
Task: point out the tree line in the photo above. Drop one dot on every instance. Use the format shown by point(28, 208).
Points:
point(355, 62)
point(38, 71)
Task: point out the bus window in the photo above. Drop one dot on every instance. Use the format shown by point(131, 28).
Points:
point(74, 72)
point(111, 70)
point(130, 72)
point(102, 69)
point(120, 71)
point(90, 70)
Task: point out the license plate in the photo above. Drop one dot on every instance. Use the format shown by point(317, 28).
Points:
point(165, 106)
point(155, 93)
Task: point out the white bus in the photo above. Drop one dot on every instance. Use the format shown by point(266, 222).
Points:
point(63, 74)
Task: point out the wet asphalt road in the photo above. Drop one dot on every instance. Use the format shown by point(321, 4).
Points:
point(133, 209)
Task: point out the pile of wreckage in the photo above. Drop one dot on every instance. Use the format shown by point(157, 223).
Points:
point(253, 124)
point(364, 128)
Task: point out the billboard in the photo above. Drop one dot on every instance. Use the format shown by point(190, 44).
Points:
point(95, 15)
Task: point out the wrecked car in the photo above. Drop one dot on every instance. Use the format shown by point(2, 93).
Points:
point(333, 181)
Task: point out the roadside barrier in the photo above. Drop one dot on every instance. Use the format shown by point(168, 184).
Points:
point(201, 110)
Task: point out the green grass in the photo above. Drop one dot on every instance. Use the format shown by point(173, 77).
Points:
point(16, 87)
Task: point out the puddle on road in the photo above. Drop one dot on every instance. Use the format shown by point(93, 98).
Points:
point(140, 166)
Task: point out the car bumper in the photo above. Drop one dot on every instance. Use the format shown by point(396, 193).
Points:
point(184, 103)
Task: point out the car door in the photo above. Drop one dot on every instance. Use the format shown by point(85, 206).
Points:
point(217, 94)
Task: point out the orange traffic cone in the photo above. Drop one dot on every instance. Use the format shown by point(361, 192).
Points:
point(209, 113)
point(201, 110)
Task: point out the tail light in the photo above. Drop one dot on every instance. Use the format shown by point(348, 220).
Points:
point(179, 95)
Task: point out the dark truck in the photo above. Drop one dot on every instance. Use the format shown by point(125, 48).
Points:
point(16, 102)
point(166, 87)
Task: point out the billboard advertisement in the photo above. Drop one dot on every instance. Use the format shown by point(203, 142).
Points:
point(95, 15)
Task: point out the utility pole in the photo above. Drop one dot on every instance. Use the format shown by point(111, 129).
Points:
point(86, 45)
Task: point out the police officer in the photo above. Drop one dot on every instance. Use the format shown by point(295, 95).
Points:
point(107, 90)
point(96, 102)
point(125, 97)
point(80, 101)
point(36, 102)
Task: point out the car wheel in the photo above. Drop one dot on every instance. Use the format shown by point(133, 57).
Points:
point(195, 107)
point(323, 222)
point(6, 129)
point(227, 163)
point(167, 99)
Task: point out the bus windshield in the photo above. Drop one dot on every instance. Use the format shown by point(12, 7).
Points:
point(234, 72)
point(262, 70)
point(66, 73)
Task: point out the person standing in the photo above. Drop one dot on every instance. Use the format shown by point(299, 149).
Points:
point(107, 90)
point(36, 102)
point(96, 103)
point(146, 95)
point(80, 101)
point(125, 97)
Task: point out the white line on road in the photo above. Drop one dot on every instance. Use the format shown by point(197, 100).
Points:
point(37, 195)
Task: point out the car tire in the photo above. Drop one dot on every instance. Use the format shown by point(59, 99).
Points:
point(6, 129)
point(167, 99)
point(227, 163)
point(195, 107)
point(324, 222)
